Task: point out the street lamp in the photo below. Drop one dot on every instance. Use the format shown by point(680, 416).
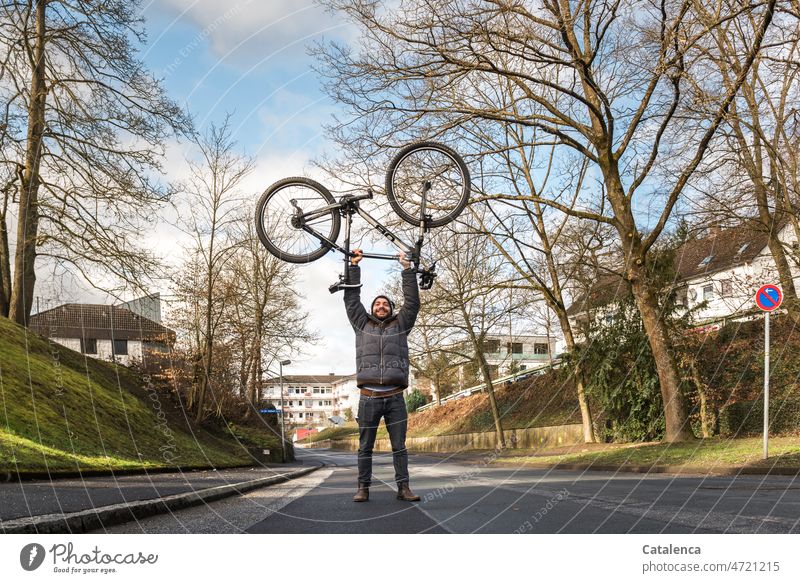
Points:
point(283, 445)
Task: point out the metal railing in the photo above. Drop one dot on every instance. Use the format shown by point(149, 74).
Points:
point(509, 378)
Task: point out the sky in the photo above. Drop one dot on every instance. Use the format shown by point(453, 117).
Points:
point(249, 58)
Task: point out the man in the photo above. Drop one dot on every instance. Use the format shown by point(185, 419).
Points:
point(382, 373)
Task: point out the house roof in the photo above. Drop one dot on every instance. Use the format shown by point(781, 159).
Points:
point(98, 321)
point(722, 249)
point(606, 289)
point(309, 379)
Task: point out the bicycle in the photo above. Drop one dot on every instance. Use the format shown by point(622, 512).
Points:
point(427, 185)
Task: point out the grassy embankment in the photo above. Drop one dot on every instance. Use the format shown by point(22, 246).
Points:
point(710, 453)
point(60, 411)
point(536, 402)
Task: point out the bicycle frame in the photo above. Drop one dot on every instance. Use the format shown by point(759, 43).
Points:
point(347, 207)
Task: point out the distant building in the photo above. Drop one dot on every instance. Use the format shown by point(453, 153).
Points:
point(114, 333)
point(313, 399)
point(508, 354)
point(505, 354)
point(717, 275)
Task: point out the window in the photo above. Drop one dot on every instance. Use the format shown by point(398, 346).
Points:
point(89, 345)
point(316, 390)
point(319, 403)
point(706, 260)
point(120, 347)
point(514, 347)
point(708, 292)
point(681, 298)
point(726, 287)
point(300, 415)
point(491, 346)
point(540, 348)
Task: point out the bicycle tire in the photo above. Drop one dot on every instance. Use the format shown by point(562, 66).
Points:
point(269, 238)
point(404, 155)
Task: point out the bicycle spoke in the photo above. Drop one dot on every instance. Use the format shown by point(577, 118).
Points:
point(278, 214)
point(436, 167)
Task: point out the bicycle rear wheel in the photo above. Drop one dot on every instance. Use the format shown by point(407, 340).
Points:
point(434, 163)
point(276, 220)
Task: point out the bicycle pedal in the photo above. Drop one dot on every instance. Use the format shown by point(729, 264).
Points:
point(339, 286)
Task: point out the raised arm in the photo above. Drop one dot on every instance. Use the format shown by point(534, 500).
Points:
point(356, 312)
point(408, 313)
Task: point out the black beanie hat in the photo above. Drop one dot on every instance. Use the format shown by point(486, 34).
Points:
point(391, 304)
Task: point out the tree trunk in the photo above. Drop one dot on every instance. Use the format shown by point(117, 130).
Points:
point(28, 220)
point(583, 402)
point(707, 420)
point(675, 410)
point(205, 379)
point(498, 425)
point(5, 255)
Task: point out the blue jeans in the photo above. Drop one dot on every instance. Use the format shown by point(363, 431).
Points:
point(395, 416)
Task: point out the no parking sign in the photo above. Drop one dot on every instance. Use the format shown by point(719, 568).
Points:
point(768, 297)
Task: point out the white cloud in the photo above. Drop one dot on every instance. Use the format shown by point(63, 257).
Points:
point(251, 30)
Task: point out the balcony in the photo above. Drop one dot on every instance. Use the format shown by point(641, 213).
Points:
point(502, 356)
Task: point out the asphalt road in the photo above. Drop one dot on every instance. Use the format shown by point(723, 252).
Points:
point(470, 495)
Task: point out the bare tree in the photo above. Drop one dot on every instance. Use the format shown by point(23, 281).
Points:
point(602, 80)
point(467, 303)
point(266, 317)
point(537, 241)
point(86, 127)
point(213, 204)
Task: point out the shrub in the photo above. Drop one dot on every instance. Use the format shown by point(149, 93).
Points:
point(747, 417)
point(415, 400)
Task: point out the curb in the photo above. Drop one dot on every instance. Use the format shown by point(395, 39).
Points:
point(86, 520)
point(477, 458)
point(24, 476)
point(681, 470)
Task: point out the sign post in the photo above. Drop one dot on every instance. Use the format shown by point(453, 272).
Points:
point(768, 298)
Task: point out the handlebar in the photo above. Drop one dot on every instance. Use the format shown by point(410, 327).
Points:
point(355, 197)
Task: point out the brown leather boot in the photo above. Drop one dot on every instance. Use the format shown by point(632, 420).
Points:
point(405, 493)
point(363, 493)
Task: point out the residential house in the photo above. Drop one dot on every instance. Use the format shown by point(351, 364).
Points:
point(115, 333)
point(716, 275)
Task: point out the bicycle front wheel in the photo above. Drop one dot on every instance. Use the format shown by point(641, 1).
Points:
point(437, 165)
point(279, 229)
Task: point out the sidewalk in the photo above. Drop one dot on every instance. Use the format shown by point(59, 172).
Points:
point(83, 504)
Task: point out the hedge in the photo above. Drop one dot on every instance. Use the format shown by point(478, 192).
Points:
point(747, 417)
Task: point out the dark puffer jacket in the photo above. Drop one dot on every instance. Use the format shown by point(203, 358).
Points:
point(381, 346)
